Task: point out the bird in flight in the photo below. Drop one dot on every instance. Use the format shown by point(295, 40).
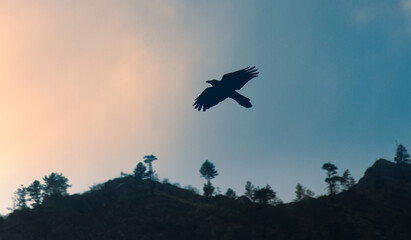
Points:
point(226, 88)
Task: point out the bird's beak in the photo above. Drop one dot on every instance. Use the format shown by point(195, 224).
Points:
point(209, 81)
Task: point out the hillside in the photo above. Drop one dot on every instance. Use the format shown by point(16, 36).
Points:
point(378, 207)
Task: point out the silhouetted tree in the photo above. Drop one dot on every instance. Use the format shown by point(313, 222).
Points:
point(230, 193)
point(302, 193)
point(208, 172)
point(309, 193)
point(55, 184)
point(299, 192)
point(35, 192)
point(402, 155)
point(347, 181)
point(249, 190)
point(21, 200)
point(140, 171)
point(332, 178)
point(149, 159)
point(264, 195)
point(208, 189)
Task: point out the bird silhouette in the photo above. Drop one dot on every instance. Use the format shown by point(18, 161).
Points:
point(226, 88)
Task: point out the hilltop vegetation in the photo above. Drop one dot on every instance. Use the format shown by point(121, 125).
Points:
point(139, 207)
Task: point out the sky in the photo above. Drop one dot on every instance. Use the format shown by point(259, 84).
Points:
point(87, 88)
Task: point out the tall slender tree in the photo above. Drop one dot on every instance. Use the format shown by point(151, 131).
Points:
point(149, 159)
point(35, 192)
point(208, 172)
point(332, 178)
point(299, 192)
point(249, 190)
point(21, 197)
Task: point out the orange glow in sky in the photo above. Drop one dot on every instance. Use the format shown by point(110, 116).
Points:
point(81, 83)
point(87, 88)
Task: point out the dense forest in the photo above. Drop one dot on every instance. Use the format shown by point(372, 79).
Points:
point(139, 206)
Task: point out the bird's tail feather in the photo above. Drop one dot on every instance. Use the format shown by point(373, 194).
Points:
point(243, 101)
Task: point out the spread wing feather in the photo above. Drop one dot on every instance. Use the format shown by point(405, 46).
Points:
point(208, 98)
point(236, 80)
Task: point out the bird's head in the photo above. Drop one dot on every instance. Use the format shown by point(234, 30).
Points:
point(213, 82)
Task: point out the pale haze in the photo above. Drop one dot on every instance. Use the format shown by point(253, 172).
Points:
point(87, 88)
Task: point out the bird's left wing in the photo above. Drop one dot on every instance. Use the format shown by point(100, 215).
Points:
point(208, 98)
point(236, 80)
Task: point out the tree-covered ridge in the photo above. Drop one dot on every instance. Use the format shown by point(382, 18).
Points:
point(137, 206)
point(54, 184)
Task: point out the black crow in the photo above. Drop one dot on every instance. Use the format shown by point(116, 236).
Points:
point(220, 90)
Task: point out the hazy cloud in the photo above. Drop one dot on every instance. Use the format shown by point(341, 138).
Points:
point(88, 83)
point(383, 14)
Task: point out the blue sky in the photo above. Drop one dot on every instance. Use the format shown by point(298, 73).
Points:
point(333, 86)
point(89, 88)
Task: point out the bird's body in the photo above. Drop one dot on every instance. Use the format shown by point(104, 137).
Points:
point(226, 88)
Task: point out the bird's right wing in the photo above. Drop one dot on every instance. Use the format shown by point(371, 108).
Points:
point(236, 80)
point(208, 98)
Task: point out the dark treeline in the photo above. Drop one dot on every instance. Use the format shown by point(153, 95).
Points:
point(138, 206)
point(54, 184)
point(57, 184)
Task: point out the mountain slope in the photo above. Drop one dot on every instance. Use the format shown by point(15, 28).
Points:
point(124, 208)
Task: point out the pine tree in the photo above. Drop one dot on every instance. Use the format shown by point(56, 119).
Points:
point(208, 172)
point(20, 199)
point(264, 195)
point(35, 192)
point(299, 192)
point(55, 184)
point(347, 181)
point(140, 171)
point(149, 159)
point(402, 155)
point(302, 193)
point(230, 193)
point(331, 178)
point(208, 189)
point(309, 193)
point(249, 190)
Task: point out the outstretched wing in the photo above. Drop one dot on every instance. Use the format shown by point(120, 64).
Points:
point(208, 98)
point(236, 80)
